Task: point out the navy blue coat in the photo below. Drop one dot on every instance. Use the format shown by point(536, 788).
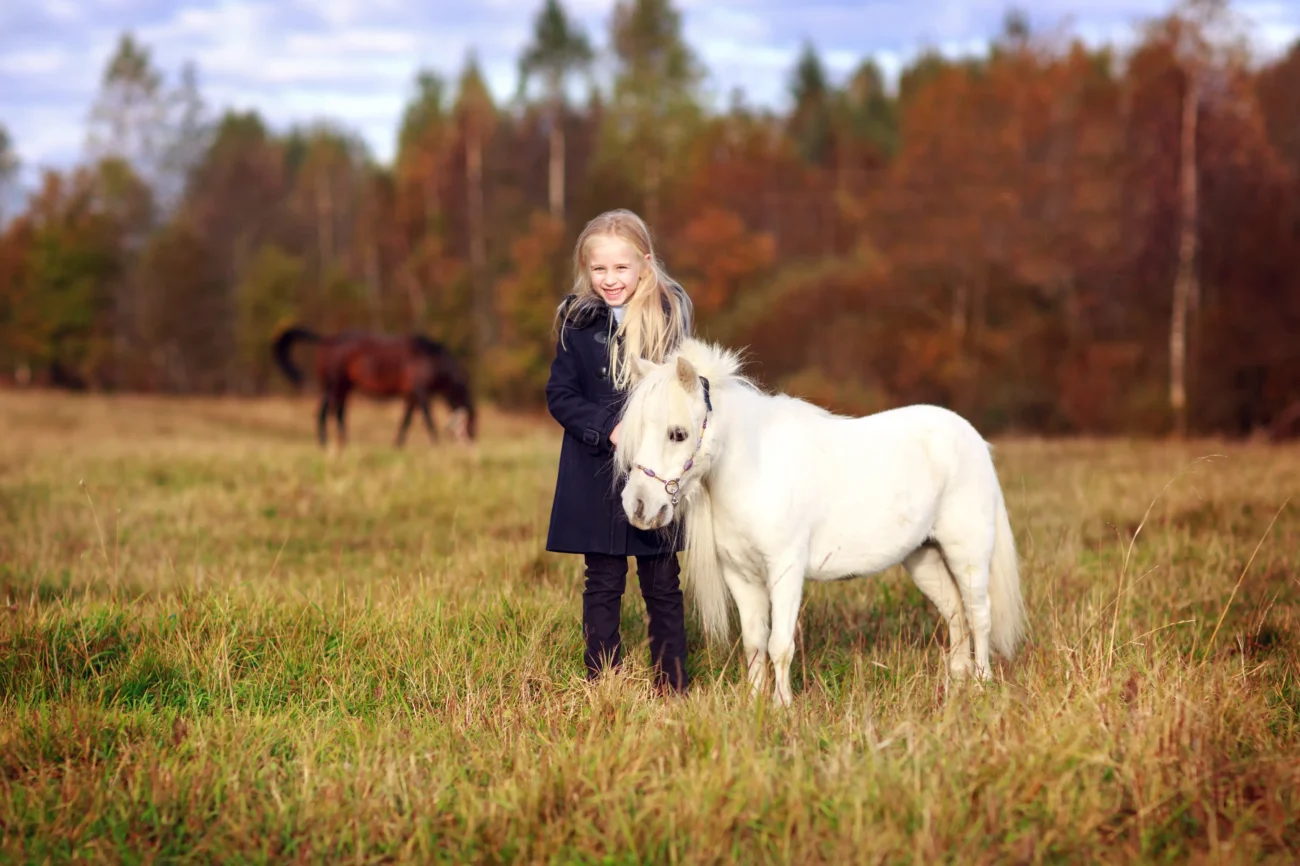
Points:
point(587, 513)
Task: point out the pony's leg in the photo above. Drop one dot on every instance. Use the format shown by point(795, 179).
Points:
point(968, 561)
point(754, 606)
point(931, 576)
point(406, 423)
point(785, 588)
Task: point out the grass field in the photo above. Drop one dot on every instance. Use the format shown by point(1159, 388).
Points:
point(220, 643)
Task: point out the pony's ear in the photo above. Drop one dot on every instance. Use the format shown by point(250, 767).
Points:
point(686, 374)
point(640, 368)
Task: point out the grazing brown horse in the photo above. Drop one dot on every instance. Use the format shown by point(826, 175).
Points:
point(413, 367)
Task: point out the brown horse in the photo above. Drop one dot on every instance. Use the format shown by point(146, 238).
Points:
point(413, 367)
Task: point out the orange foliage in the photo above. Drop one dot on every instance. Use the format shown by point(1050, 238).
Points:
point(716, 255)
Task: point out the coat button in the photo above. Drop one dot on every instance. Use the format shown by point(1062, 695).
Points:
point(604, 372)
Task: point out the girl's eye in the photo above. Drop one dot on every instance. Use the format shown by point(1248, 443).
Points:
point(677, 434)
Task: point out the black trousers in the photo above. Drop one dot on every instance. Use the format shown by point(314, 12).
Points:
point(602, 601)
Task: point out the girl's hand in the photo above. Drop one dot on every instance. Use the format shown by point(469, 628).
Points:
point(613, 434)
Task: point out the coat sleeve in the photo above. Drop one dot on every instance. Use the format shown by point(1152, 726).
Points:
point(590, 422)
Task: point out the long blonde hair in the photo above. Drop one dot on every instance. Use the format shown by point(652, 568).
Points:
point(659, 312)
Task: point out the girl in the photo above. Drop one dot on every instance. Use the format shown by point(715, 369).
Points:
point(623, 304)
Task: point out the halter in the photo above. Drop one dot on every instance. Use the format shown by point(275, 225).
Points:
point(672, 486)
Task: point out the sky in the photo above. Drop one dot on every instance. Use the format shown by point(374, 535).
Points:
point(354, 61)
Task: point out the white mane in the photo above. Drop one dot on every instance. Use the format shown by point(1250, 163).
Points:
point(713, 361)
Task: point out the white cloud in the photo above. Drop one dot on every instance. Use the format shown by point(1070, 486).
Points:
point(34, 62)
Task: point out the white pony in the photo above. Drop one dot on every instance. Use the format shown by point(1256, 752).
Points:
point(776, 491)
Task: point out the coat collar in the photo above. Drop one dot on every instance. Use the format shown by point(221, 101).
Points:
point(593, 315)
point(584, 318)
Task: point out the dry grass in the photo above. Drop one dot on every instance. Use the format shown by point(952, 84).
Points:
point(220, 643)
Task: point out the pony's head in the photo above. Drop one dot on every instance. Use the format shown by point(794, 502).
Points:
point(663, 445)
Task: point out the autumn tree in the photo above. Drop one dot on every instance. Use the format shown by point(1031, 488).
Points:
point(421, 196)
point(329, 183)
point(558, 50)
point(8, 169)
point(1278, 88)
point(268, 297)
point(67, 253)
point(810, 122)
point(127, 128)
point(870, 112)
point(234, 203)
point(128, 119)
point(1199, 49)
point(475, 121)
point(719, 256)
point(188, 133)
point(654, 97)
point(540, 267)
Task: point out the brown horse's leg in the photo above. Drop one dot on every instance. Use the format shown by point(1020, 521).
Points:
point(428, 418)
point(322, 421)
point(406, 422)
point(340, 410)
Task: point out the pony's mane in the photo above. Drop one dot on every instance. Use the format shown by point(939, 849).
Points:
point(720, 365)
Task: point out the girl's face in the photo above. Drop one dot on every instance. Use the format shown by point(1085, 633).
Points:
point(615, 268)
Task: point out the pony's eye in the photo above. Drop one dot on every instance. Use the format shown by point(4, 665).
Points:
point(677, 434)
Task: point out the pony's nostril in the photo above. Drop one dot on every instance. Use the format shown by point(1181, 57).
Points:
point(640, 509)
point(662, 516)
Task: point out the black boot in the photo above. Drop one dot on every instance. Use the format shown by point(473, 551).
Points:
point(659, 577)
point(602, 603)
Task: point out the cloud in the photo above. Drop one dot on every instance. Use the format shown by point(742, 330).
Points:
point(354, 61)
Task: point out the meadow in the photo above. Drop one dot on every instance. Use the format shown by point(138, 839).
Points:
point(219, 642)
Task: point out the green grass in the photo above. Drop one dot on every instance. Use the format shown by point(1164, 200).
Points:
point(219, 643)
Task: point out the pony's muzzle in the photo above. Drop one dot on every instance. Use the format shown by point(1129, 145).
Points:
point(638, 516)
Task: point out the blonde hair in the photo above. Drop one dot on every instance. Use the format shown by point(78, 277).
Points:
point(659, 312)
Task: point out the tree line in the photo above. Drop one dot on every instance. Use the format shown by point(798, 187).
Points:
point(1048, 237)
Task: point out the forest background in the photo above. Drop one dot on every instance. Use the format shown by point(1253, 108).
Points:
point(1048, 238)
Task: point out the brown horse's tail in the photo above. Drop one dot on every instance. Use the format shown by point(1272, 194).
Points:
point(283, 345)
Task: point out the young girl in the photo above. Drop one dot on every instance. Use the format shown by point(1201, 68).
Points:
point(623, 304)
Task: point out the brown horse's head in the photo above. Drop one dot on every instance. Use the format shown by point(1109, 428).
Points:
point(450, 380)
point(463, 423)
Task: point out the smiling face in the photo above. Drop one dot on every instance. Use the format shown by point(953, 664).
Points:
point(661, 431)
point(615, 268)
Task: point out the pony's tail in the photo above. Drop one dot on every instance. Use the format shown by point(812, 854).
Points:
point(283, 345)
point(703, 573)
point(1006, 605)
